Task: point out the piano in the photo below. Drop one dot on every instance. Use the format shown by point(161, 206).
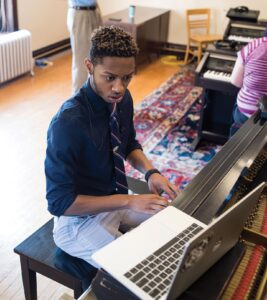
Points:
point(213, 74)
point(218, 97)
point(234, 171)
point(240, 166)
point(215, 69)
point(243, 32)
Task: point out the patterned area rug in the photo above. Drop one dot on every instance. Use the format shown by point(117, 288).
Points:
point(166, 123)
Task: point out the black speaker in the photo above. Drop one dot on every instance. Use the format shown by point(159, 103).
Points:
point(243, 13)
point(241, 9)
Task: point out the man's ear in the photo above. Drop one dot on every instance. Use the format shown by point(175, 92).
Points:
point(89, 65)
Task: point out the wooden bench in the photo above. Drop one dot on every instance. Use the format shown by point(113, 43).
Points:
point(39, 254)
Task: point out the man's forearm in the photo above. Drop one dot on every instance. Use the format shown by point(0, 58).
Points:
point(237, 73)
point(86, 205)
point(90, 205)
point(139, 161)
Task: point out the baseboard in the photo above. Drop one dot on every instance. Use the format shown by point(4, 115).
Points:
point(52, 49)
point(174, 49)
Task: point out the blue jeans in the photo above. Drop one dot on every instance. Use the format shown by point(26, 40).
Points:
point(239, 120)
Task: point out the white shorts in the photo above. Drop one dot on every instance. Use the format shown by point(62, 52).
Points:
point(82, 236)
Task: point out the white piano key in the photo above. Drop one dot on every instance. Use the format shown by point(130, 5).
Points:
point(244, 39)
point(221, 76)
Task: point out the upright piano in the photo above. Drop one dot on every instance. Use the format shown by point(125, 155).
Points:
point(213, 74)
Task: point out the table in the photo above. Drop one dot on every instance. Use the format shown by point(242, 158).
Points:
point(149, 27)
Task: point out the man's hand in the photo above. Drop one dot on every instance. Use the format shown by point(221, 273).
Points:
point(147, 203)
point(158, 184)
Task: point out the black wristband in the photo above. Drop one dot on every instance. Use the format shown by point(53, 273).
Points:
point(150, 172)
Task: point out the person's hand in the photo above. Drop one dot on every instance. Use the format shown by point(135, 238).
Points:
point(260, 116)
point(158, 184)
point(147, 203)
point(257, 116)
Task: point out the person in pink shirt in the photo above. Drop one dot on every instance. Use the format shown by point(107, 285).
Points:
point(250, 74)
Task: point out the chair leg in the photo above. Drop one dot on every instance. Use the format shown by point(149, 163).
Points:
point(186, 54)
point(199, 53)
point(78, 290)
point(28, 279)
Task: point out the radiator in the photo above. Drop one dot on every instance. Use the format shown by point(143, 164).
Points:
point(15, 54)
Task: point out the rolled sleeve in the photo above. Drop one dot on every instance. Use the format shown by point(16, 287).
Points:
point(60, 165)
point(133, 144)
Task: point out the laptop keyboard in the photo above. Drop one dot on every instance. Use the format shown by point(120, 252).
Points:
point(154, 274)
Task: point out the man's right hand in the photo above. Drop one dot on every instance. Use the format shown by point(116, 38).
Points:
point(147, 203)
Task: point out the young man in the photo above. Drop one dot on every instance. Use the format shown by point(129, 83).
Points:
point(86, 187)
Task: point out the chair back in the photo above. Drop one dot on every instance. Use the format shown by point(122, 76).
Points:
point(198, 19)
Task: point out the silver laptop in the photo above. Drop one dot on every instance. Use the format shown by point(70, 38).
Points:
point(164, 255)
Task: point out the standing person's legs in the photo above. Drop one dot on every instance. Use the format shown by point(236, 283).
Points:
point(81, 23)
point(82, 236)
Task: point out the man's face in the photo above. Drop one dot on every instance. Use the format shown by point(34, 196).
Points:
point(110, 77)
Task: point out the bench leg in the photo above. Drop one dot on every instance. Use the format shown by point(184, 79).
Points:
point(78, 290)
point(28, 279)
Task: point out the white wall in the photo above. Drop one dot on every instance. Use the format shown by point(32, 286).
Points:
point(46, 19)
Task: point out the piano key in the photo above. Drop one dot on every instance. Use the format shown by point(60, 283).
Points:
point(222, 76)
point(243, 39)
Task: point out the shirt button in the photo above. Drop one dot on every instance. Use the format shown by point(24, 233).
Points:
point(116, 189)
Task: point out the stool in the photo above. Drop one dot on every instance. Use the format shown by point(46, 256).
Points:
point(39, 254)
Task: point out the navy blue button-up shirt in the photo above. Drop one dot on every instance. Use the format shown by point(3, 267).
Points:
point(78, 156)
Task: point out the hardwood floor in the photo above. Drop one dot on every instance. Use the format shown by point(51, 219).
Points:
point(26, 108)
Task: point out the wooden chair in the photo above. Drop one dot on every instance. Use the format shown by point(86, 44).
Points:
point(198, 31)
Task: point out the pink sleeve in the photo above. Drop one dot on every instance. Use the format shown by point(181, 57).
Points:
point(238, 72)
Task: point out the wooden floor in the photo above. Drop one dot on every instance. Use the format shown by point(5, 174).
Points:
point(26, 108)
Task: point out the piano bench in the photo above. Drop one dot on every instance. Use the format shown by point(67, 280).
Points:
point(39, 254)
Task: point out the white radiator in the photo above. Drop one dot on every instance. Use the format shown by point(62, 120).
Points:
point(15, 54)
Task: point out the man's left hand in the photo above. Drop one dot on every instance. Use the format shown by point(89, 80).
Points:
point(158, 184)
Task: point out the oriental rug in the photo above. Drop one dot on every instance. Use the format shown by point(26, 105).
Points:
point(166, 124)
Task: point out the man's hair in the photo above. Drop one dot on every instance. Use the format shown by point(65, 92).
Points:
point(111, 41)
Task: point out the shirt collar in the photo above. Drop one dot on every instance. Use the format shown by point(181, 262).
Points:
point(95, 100)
